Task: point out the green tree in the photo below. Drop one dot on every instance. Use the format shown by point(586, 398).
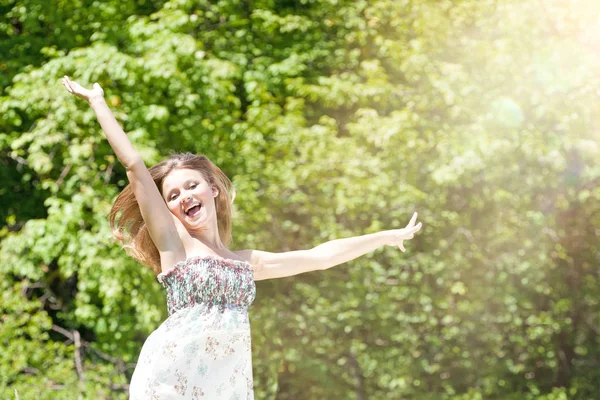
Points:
point(333, 118)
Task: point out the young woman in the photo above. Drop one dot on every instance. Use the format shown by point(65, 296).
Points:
point(175, 217)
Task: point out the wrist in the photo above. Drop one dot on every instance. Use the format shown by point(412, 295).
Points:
point(96, 100)
point(387, 238)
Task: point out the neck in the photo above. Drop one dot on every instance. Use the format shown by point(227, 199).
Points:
point(209, 236)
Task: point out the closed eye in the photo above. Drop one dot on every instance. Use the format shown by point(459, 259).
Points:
point(192, 186)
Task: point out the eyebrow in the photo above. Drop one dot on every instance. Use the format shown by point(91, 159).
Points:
point(171, 190)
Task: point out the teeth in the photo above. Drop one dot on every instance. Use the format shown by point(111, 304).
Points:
point(190, 207)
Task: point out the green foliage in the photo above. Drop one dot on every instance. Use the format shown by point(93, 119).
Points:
point(333, 118)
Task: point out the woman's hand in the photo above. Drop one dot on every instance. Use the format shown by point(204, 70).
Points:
point(398, 236)
point(87, 94)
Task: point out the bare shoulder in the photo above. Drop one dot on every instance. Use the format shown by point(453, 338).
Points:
point(255, 257)
point(245, 255)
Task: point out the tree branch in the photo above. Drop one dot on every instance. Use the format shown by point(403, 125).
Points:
point(64, 173)
point(77, 354)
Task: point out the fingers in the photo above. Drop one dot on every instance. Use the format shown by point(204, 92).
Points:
point(409, 233)
point(416, 228)
point(413, 219)
point(68, 84)
point(413, 229)
point(410, 230)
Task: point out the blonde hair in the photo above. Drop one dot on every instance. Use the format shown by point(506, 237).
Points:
point(130, 229)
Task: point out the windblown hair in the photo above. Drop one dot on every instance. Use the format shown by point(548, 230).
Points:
point(130, 229)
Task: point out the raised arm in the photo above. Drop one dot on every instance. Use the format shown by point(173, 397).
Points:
point(278, 265)
point(161, 223)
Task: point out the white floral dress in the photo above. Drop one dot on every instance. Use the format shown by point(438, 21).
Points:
point(202, 350)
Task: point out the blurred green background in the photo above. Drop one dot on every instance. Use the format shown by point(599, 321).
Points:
point(333, 118)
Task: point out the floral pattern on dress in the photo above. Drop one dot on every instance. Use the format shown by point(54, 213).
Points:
point(203, 349)
point(197, 393)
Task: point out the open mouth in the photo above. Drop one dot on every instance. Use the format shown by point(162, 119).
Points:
point(193, 211)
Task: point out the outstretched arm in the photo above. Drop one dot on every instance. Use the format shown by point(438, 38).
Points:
point(278, 265)
point(162, 225)
point(118, 140)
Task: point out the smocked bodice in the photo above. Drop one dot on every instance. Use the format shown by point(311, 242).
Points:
point(209, 280)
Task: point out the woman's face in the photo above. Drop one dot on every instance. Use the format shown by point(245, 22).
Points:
point(189, 196)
